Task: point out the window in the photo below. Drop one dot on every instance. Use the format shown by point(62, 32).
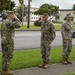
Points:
point(32, 17)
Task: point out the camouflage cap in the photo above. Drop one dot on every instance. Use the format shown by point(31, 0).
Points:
point(45, 14)
point(10, 12)
point(69, 15)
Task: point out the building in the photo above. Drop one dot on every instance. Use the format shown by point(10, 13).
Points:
point(33, 17)
point(63, 12)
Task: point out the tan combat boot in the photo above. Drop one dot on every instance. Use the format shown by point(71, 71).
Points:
point(9, 72)
point(69, 62)
point(65, 62)
point(46, 66)
point(41, 65)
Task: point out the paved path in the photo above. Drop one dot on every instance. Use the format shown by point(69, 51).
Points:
point(54, 69)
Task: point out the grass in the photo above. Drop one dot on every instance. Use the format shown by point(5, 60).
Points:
point(37, 27)
point(24, 27)
point(58, 27)
point(0, 26)
point(32, 27)
point(57, 22)
point(70, 74)
point(31, 58)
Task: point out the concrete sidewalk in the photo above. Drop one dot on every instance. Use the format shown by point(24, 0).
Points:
point(54, 69)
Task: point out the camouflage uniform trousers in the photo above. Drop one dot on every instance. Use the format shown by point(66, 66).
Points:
point(45, 51)
point(7, 50)
point(67, 46)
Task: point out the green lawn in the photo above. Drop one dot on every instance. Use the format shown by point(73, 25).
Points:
point(70, 74)
point(57, 22)
point(32, 27)
point(31, 58)
point(24, 27)
point(37, 27)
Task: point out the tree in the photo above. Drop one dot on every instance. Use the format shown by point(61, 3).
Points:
point(6, 5)
point(47, 8)
point(19, 10)
point(12, 5)
point(73, 7)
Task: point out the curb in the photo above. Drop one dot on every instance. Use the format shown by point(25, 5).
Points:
point(32, 30)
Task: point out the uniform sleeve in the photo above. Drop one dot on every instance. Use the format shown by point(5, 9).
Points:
point(52, 32)
point(16, 23)
point(13, 24)
point(63, 31)
point(72, 26)
point(2, 29)
point(37, 23)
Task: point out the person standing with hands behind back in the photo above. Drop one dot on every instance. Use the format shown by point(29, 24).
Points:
point(7, 41)
point(67, 31)
point(47, 36)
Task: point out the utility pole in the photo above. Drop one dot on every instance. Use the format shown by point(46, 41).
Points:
point(22, 5)
point(28, 14)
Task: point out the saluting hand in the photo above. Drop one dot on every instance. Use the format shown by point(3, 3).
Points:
point(50, 42)
point(64, 41)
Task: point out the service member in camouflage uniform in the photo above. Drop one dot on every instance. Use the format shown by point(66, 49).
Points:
point(66, 31)
point(7, 42)
point(47, 36)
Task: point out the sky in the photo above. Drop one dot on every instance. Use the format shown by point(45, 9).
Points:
point(63, 4)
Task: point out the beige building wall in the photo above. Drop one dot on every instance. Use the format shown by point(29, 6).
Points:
point(63, 12)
